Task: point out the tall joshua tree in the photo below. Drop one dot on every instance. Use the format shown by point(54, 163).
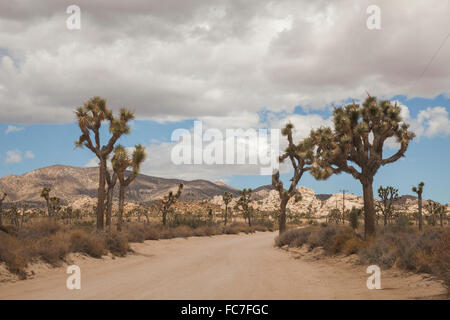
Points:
point(121, 161)
point(388, 196)
point(227, 196)
point(90, 117)
point(418, 190)
point(2, 198)
point(53, 203)
point(358, 138)
point(244, 202)
point(300, 156)
point(168, 201)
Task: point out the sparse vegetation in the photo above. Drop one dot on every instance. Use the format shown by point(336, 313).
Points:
point(403, 248)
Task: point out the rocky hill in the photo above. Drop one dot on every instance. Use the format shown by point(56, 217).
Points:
point(73, 184)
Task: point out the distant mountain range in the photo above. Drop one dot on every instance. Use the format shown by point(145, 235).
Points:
point(79, 185)
point(72, 183)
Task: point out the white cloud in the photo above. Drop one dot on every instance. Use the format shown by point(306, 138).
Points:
point(29, 155)
point(16, 156)
point(12, 128)
point(216, 59)
point(13, 156)
point(435, 121)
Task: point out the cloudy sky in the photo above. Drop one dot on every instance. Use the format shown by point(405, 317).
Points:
point(231, 64)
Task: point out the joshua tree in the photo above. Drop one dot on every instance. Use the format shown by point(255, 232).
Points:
point(419, 190)
point(243, 202)
point(2, 198)
point(90, 117)
point(53, 203)
point(300, 156)
point(358, 138)
point(434, 210)
point(227, 196)
point(121, 161)
point(334, 215)
point(388, 196)
point(168, 201)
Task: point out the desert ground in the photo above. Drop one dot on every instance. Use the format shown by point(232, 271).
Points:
point(220, 267)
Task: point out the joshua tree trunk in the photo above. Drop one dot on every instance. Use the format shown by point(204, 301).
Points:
point(420, 212)
point(109, 199)
point(101, 194)
point(111, 181)
point(441, 218)
point(385, 220)
point(282, 217)
point(369, 209)
point(121, 203)
point(49, 208)
point(226, 215)
point(249, 220)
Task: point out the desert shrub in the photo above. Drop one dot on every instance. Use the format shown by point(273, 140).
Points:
point(338, 241)
point(353, 245)
point(166, 233)
point(230, 229)
point(323, 236)
point(440, 258)
point(206, 231)
point(13, 254)
point(39, 229)
point(405, 249)
point(182, 231)
point(293, 237)
point(152, 233)
point(91, 244)
point(136, 232)
point(260, 227)
point(117, 243)
point(52, 249)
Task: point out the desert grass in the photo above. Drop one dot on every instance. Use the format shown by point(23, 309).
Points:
point(403, 248)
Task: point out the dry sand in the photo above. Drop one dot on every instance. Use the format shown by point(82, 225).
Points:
point(220, 267)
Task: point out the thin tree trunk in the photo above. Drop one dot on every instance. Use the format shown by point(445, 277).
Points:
point(121, 202)
point(441, 219)
point(101, 194)
point(282, 217)
point(369, 210)
point(109, 204)
point(385, 220)
point(420, 213)
point(226, 214)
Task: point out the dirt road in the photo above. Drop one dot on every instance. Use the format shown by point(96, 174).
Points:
point(220, 267)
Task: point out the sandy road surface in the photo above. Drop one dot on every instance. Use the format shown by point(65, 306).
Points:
point(220, 267)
